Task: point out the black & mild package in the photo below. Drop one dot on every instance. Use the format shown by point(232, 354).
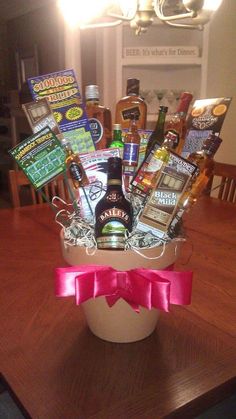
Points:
point(162, 203)
point(206, 117)
point(39, 114)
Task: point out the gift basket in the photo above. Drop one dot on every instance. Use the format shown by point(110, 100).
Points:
point(121, 229)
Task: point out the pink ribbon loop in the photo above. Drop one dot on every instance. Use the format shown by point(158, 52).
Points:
point(138, 287)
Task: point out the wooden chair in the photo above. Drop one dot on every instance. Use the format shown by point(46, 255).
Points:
point(23, 193)
point(225, 176)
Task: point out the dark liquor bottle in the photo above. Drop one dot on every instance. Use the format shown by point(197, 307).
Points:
point(117, 137)
point(113, 212)
point(131, 104)
point(158, 135)
point(74, 166)
point(177, 121)
point(99, 117)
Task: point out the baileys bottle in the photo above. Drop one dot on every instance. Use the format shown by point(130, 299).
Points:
point(113, 212)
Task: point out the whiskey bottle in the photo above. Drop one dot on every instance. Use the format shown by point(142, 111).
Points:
point(204, 159)
point(147, 175)
point(158, 135)
point(131, 143)
point(131, 104)
point(99, 117)
point(177, 121)
point(117, 137)
point(74, 166)
point(113, 212)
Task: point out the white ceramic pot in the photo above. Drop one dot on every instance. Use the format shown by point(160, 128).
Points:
point(119, 323)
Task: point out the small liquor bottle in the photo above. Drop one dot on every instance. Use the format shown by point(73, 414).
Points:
point(177, 121)
point(158, 135)
point(74, 166)
point(131, 144)
point(117, 137)
point(113, 212)
point(148, 174)
point(99, 116)
point(131, 104)
point(204, 159)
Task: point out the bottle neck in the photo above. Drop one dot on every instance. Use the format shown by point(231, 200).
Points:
point(92, 101)
point(114, 175)
point(117, 135)
point(114, 182)
point(160, 122)
point(132, 88)
point(133, 125)
point(68, 150)
point(184, 102)
point(211, 145)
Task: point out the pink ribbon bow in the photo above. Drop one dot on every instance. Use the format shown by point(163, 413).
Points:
point(138, 287)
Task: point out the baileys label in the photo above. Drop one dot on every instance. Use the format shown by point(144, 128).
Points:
point(114, 213)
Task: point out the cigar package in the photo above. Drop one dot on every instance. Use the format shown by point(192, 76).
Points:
point(162, 203)
point(40, 115)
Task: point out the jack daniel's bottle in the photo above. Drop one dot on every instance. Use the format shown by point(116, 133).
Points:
point(113, 212)
point(74, 166)
point(131, 104)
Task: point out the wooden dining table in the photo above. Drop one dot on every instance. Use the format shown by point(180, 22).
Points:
point(55, 368)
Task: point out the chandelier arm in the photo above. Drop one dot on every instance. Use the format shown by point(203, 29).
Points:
point(158, 5)
point(182, 25)
point(102, 25)
point(121, 17)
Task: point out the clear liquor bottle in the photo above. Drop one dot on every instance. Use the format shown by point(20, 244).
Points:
point(131, 104)
point(113, 212)
point(99, 117)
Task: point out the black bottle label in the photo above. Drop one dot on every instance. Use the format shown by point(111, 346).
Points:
point(128, 113)
point(76, 172)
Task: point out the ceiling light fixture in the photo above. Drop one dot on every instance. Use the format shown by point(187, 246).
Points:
point(193, 14)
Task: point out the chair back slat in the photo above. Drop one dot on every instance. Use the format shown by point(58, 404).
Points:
point(20, 185)
point(33, 194)
point(232, 197)
point(227, 188)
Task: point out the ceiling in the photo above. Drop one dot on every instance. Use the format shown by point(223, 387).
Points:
point(9, 9)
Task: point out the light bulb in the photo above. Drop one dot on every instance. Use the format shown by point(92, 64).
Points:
point(128, 7)
point(212, 5)
point(80, 12)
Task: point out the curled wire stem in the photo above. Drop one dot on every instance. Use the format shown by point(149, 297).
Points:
point(148, 257)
